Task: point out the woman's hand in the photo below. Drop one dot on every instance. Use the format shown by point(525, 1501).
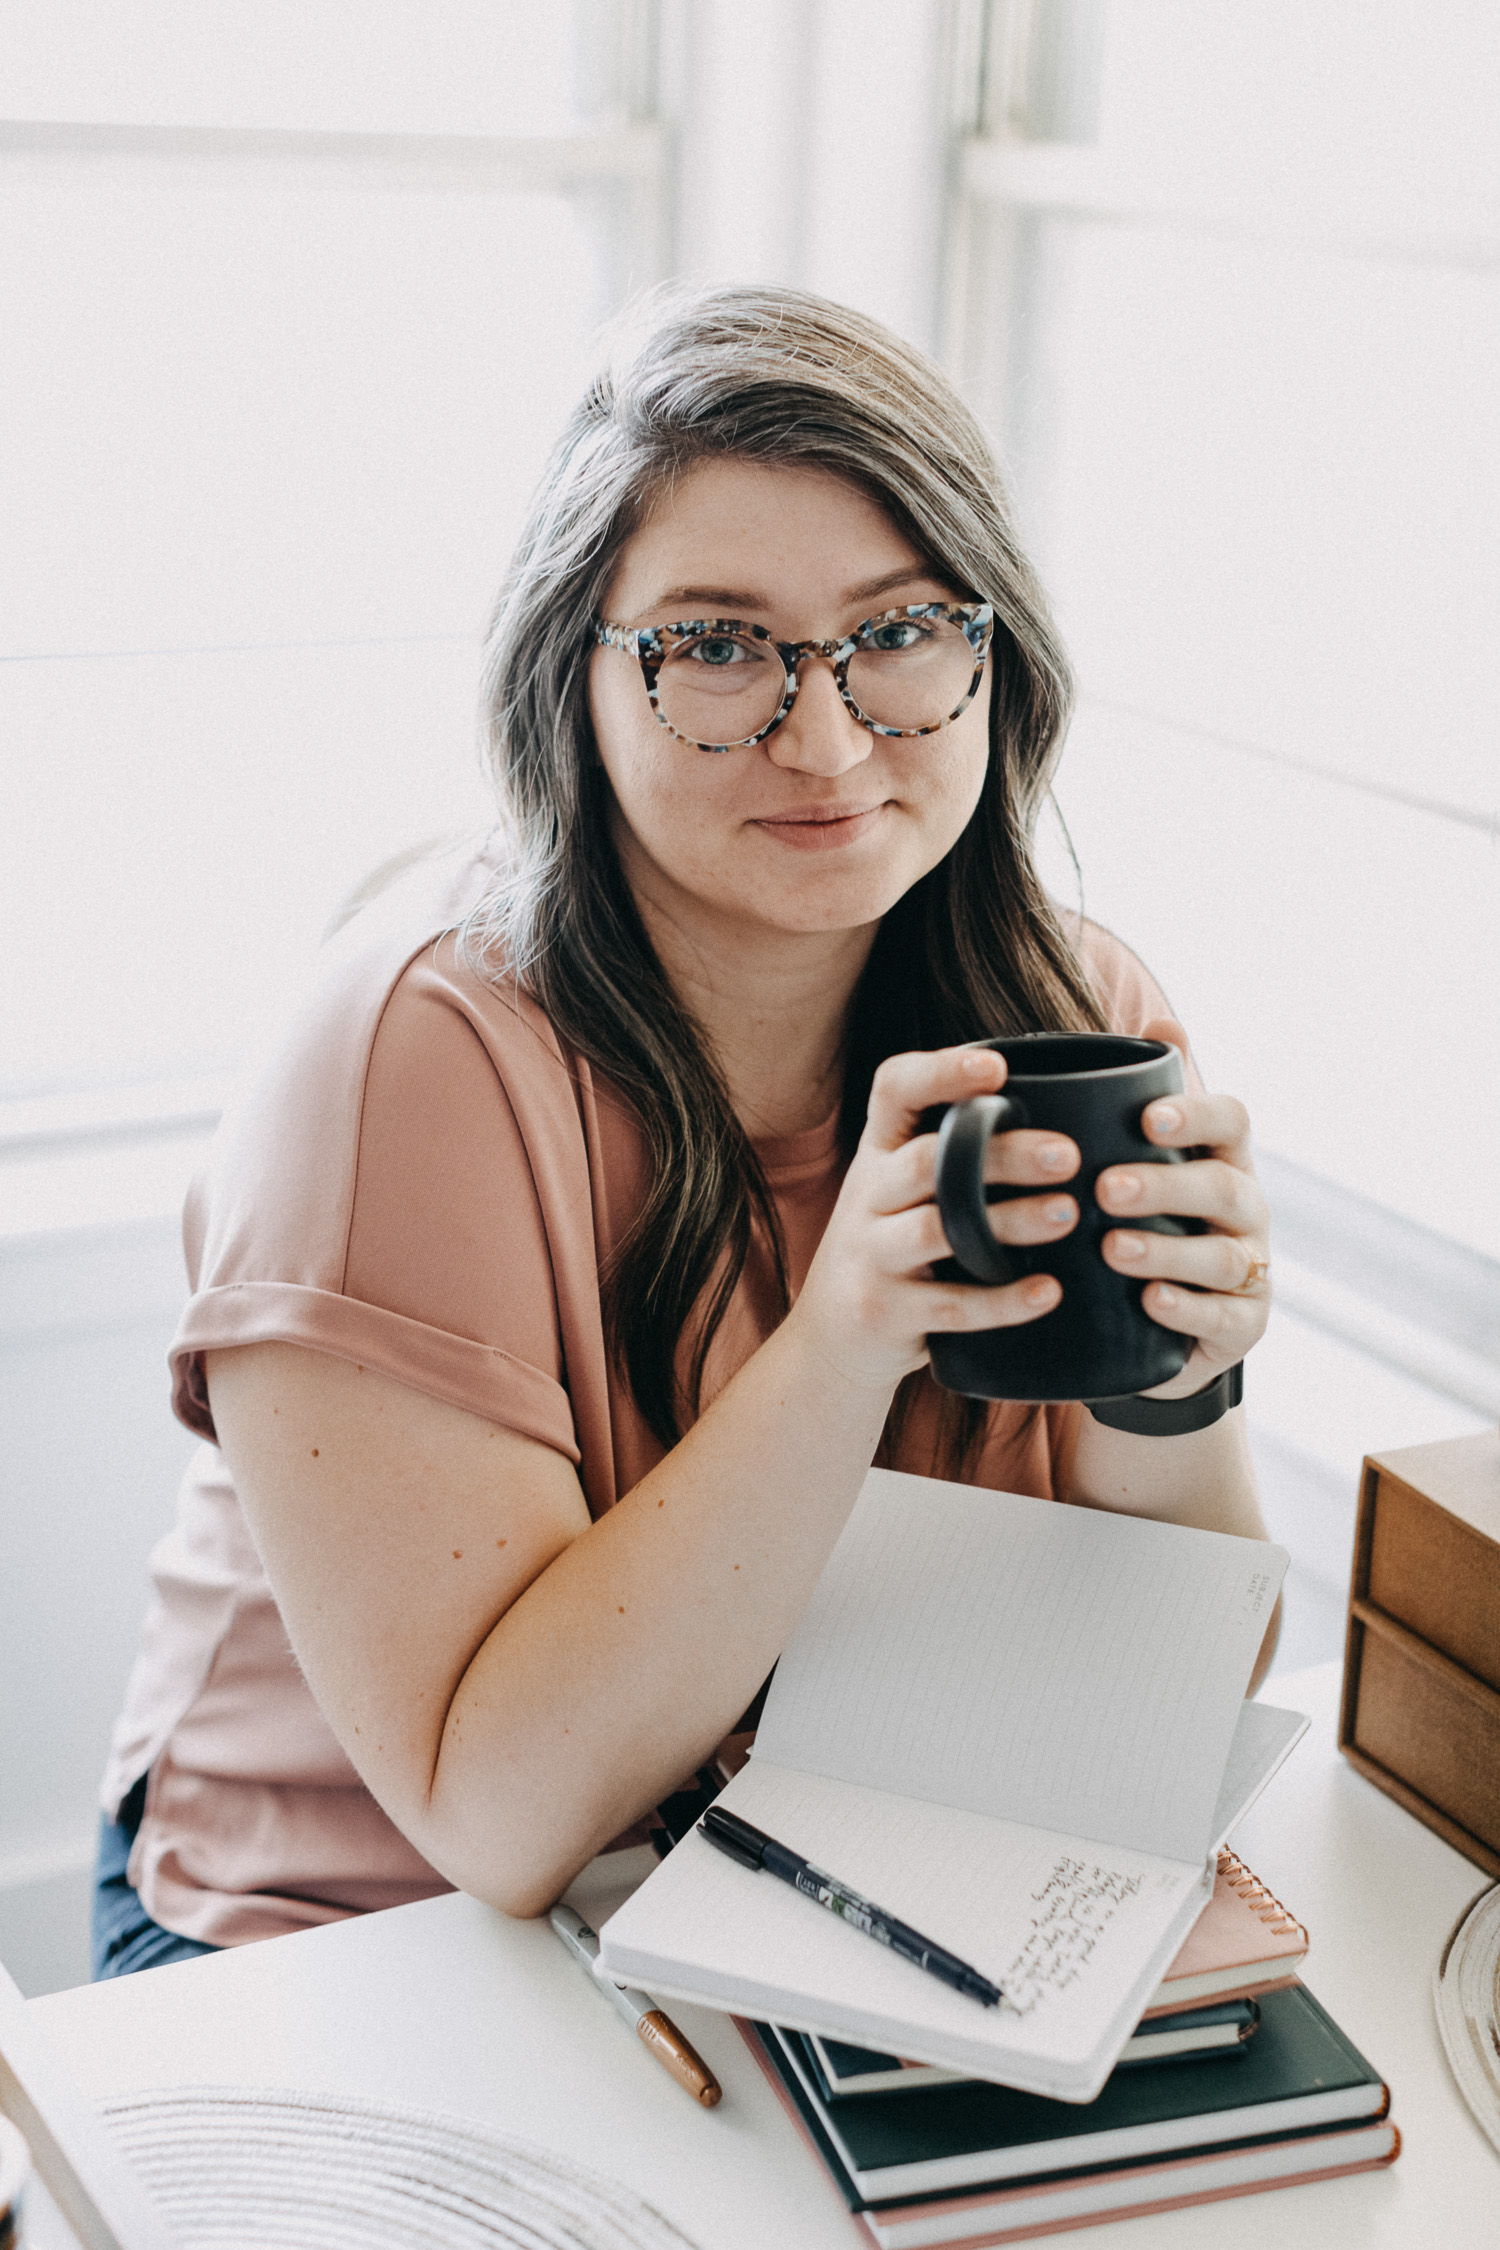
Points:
point(869, 1301)
point(1227, 1299)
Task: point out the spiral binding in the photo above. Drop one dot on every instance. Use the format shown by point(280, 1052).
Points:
point(1260, 1901)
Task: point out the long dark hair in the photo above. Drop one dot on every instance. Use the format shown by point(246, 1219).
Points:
point(975, 947)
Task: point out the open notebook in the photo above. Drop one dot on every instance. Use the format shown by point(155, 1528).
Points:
point(1019, 1727)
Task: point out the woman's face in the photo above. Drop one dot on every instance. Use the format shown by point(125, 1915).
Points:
point(823, 826)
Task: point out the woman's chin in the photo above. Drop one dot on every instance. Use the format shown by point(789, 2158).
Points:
point(820, 904)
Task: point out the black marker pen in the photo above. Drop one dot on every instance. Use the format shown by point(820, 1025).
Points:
point(752, 1848)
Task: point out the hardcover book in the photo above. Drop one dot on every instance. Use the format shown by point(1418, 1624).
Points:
point(841, 2069)
point(977, 2163)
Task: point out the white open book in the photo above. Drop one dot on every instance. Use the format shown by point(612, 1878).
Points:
point(1017, 1726)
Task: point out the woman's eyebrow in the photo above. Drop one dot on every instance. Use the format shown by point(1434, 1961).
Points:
point(735, 598)
point(722, 597)
point(911, 574)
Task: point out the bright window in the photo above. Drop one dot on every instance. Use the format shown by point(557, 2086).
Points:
point(1228, 283)
point(293, 299)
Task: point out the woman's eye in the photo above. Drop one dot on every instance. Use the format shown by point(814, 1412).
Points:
point(717, 651)
point(898, 633)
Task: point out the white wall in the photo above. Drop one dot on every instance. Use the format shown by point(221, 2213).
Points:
point(812, 149)
point(1248, 394)
point(271, 433)
point(89, 1464)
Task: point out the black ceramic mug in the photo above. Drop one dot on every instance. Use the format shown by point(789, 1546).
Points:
point(1098, 1342)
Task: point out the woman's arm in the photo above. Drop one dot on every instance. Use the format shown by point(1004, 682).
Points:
point(1204, 1477)
point(516, 1684)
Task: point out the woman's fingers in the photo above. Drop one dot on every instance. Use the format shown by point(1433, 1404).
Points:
point(1208, 1189)
point(914, 1238)
point(1020, 1159)
point(963, 1307)
point(1026, 1158)
point(1226, 1326)
point(1033, 1218)
point(1223, 1262)
point(1214, 1121)
point(906, 1085)
point(1195, 1284)
point(1195, 1120)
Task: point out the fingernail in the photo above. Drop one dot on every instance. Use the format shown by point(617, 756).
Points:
point(1041, 1291)
point(1166, 1296)
point(1121, 1187)
point(1130, 1246)
point(1165, 1118)
point(1058, 1210)
point(1053, 1156)
point(978, 1065)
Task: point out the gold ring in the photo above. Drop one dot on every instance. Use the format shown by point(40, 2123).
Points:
point(1259, 1268)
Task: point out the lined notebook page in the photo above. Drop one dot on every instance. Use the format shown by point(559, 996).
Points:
point(1057, 1666)
point(1079, 1937)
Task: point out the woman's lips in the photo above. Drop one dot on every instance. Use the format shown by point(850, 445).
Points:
point(824, 828)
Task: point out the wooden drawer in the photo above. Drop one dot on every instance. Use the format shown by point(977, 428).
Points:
point(1427, 1732)
point(1430, 1548)
point(1421, 1709)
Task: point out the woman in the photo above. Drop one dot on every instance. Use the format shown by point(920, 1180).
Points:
point(560, 1279)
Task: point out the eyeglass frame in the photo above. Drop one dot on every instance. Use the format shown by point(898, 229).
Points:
point(647, 644)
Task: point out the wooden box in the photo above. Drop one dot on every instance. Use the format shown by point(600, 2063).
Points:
point(1421, 1709)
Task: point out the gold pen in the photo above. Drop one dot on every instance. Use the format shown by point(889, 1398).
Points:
point(654, 2030)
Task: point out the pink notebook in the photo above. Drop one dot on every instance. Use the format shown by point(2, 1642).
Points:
point(1242, 1943)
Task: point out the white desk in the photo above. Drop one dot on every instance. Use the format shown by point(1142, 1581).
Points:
point(449, 2006)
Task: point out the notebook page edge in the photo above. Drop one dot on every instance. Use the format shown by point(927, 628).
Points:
point(1241, 1788)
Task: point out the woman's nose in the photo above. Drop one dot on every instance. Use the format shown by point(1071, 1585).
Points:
point(819, 735)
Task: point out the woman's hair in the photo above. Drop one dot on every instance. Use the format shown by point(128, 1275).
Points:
point(974, 948)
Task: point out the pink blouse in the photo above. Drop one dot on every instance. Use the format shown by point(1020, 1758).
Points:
point(424, 1180)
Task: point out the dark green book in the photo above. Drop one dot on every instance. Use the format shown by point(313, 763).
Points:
point(1189, 2033)
point(1298, 2075)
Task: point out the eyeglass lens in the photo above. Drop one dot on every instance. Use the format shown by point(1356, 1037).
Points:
point(724, 687)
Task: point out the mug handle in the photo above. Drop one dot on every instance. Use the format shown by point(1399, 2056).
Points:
point(963, 1137)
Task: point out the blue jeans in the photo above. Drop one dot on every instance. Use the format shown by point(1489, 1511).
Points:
point(125, 1937)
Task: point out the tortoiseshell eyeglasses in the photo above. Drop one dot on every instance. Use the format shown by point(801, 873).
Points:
point(720, 685)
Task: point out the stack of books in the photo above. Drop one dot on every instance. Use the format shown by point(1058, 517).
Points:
point(1254, 2088)
point(1018, 1733)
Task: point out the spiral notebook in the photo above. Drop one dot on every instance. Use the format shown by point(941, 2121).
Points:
point(1244, 1943)
point(1021, 1728)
